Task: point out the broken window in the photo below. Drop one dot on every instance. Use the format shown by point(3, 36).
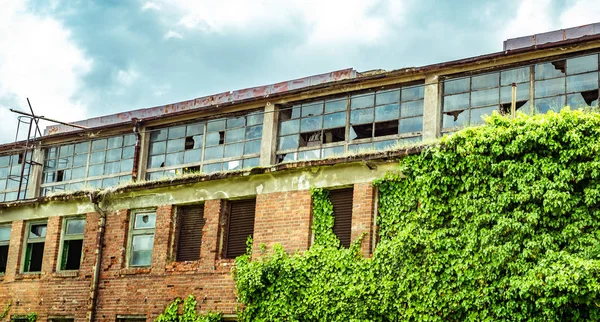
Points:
point(97, 163)
point(180, 148)
point(141, 238)
point(4, 244)
point(34, 249)
point(72, 243)
point(10, 174)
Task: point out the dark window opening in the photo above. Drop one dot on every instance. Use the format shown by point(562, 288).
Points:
point(195, 169)
point(60, 174)
point(191, 222)
point(240, 226)
point(281, 157)
point(310, 139)
point(455, 114)
point(386, 128)
point(33, 257)
point(341, 199)
point(20, 161)
point(560, 65)
point(334, 135)
point(162, 165)
point(285, 114)
point(72, 250)
point(590, 96)
point(61, 319)
point(221, 137)
point(363, 131)
point(189, 143)
point(505, 108)
point(3, 258)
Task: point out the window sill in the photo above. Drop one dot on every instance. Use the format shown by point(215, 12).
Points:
point(28, 276)
point(66, 274)
point(135, 270)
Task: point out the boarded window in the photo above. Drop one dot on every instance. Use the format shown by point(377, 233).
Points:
point(191, 222)
point(341, 199)
point(240, 226)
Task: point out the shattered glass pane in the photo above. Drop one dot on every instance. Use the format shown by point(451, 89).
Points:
point(456, 102)
point(478, 114)
point(582, 64)
point(582, 100)
point(457, 86)
point(455, 119)
point(550, 70)
point(288, 142)
point(213, 138)
point(484, 81)
point(485, 97)
point(550, 87)
point(522, 93)
point(519, 75)
point(582, 82)
point(551, 103)
point(156, 161)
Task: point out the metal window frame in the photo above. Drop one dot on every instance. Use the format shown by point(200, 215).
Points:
point(6, 242)
point(6, 190)
point(65, 237)
point(139, 232)
point(27, 241)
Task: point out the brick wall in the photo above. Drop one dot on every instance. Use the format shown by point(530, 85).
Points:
point(283, 217)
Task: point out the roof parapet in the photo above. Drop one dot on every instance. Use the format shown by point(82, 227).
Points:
point(552, 36)
point(206, 101)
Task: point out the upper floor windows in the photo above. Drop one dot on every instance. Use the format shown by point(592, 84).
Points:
point(141, 238)
point(35, 240)
point(72, 243)
point(98, 164)
point(207, 146)
point(10, 176)
point(366, 121)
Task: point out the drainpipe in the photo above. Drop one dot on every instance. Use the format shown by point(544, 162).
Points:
point(136, 152)
point(91, 315)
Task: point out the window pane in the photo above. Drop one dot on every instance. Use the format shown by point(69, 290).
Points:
point(455, 119)
point(112, 167)
point(66, 150)
point(413, 93)
point(95, 170)
point(194, 129)
point(141, 258)
point(192, 156)
point(520, 75)
point(115, 142)
point(485, 97)
point(215, 125)
point(387, 112)
point(174, 159)
point(360, 101)
point(175, 145)
point(411, 108)
point(522, 93)
point(550, 70)
point(387, 97)
point(250, 163)
point(213, 153)
point(334, 106)
point(478, 114)
point(213, 138)
point(113, 155)
point(382, 145)
point(5, 233)
point(334, 120)
point(129, 140)
point(550, 87)
point(289, 127)
point(234, 150)
point(288, 142)
point(355, 148)
point(128, 152)
point(213, 167)
point(413, 124)
point(254, 118)
point(581, 100)
point(329, 152)
point(233, 165)
point(126, 165)
point(75, 226)
point(484, 81)
point(361, 116)
point(80, 160)
point(144, 220)
point(176, 132)
point(254, 132)
point(312, 109)
point(236, 122)
point(309, 155)
point(311, 124)
point(156, 161)
point(582, 82)
point(37, 231)
point(98, 145)
point(456, 102)
point(158, 135)
point(457, 86)
point(78, 173)
point(81, 148)
point(551, 103)
point(234, 135)
point(252, 147)
point(158, 147)
point(582, 64)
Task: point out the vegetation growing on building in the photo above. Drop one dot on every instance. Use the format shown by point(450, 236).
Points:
point(188, 313)
point(499, 222)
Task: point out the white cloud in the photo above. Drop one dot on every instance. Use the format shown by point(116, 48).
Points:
point(173, 34)
point(149, 5)
point(582, 12)
point(127, 77)
point(38, 60)
point(533, 16)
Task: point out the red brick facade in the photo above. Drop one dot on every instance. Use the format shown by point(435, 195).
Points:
point(283, 217)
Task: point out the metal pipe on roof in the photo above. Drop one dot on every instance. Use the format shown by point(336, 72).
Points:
point(49, 119)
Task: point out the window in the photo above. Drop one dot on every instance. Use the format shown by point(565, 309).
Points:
point(190, 223)
point(223, 144)
point(141, 240)
point(98, 163)
point(72, 243)
point(4, 243)
point(10, 175)
point(34, 249)
point(130, 318)
point(341, 199)
point(374, 120)
point(240, 226)
point(61, 319)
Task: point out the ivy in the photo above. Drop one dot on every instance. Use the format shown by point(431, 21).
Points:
point(6, 308)
point(498, 222)
point(189, 314)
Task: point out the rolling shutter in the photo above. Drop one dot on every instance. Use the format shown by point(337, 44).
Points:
point(190, 233)
point(342, 214)
point(241, 225)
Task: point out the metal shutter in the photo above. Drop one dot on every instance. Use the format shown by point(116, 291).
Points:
point(191, 223)
point(241, 225)
point(342, 214)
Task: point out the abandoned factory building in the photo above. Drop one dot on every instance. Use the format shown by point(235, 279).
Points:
point(111, 219)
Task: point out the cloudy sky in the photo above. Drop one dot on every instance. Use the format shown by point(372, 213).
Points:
point(78, 59)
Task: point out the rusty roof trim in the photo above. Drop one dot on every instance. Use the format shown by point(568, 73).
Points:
point(387, 156)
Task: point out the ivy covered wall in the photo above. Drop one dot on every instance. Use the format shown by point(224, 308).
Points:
point(499, 222)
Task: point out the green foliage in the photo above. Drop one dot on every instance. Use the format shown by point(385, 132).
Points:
point(322, 225)
point(171, 313)
point(6, 308)
point(498, 222)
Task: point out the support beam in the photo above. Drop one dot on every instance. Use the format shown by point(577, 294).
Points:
point(268, 144)
point(432, 113)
